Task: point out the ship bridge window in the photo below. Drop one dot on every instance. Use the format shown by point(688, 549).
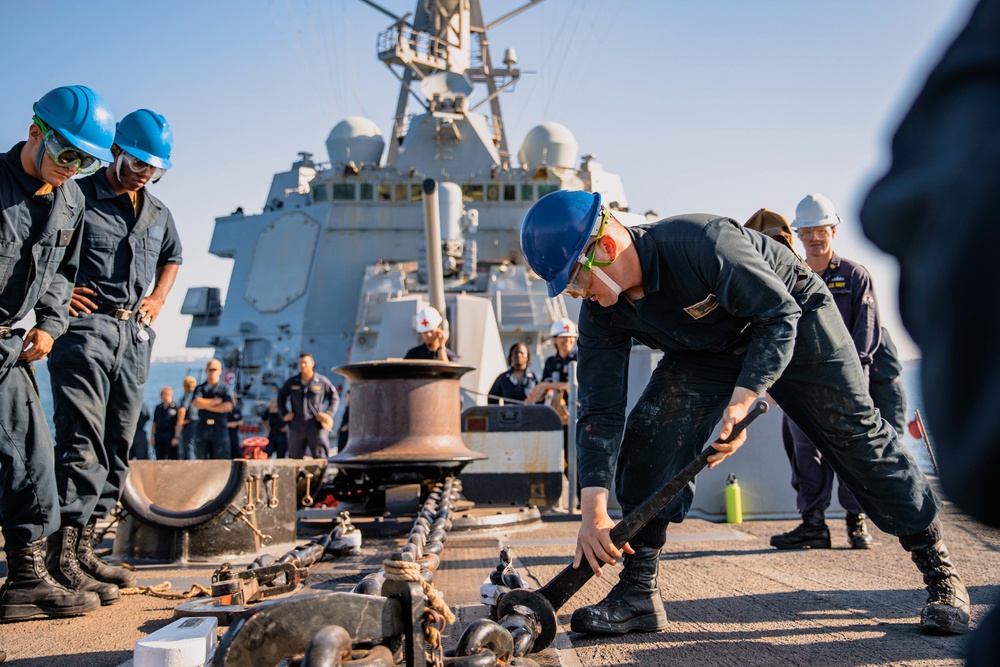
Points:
point(319, 193)
point(492, 192)
point(509, 192)
point(343, 191)
point(408, 192)
point(527, 193)
point(367, 192)
point(472, 193)
point(546, 189)
point(384, 192)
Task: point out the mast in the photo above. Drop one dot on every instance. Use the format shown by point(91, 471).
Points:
point(435, 49)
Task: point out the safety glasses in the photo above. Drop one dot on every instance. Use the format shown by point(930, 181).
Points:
point(137, 166)
point(582, 275)
point(63, 153)
point(819, 233)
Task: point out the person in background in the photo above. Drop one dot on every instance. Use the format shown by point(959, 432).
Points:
point(934, 210)
point(99, 367)
point(164, 428)
point(430, 325)
point(344, 432)
point(140, 439)
point(71, 132)
point(314, 401)
point(555, 376)
point(187, 420)
point(214, 400)
point(514, 385)
point(735, 315)
point(233, 423)
point(277, 430)
point(850, 284)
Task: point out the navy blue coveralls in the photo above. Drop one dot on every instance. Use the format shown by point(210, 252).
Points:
point(730, 307)
point(557, 370)
point(507, 387)
point(165, 420)
point(211, 433)
point(99, 367)
point(886, 388)
point(307, 401)
point(852, 290)
point(39, 253)
point(189, 436)
point(423, 352)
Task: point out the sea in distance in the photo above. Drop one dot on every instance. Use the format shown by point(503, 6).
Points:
point(172, 373)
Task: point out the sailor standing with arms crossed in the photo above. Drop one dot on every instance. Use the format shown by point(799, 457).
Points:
point(99, 367)
point(42, 213)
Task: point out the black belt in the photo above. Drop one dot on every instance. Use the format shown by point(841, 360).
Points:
point(115, 311)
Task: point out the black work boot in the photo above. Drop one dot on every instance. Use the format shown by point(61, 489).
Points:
point(30, 590)
point(947, 608)
point(60, 559)
point(857, 532)
point(633, 605)
point(97, 568)
point(812, 533)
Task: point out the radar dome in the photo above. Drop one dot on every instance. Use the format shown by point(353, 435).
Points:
point(549, 144)
point(356, 139)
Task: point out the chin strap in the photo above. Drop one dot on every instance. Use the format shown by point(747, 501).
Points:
point(606, 279)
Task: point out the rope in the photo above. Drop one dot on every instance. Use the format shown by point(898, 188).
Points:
point(162, 590)
point(401, 570)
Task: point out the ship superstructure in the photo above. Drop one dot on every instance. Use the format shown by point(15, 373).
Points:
point(336, 262)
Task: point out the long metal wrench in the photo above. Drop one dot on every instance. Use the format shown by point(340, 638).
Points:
point(565, 584)
point(927, 441)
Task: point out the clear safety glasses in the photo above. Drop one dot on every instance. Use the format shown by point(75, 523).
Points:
point(819, 233)
point(582, 275)
point(63, 153)
point(137, 166)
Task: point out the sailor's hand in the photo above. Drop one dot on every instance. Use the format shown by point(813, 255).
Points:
point(80, 302)
point(289, 416)
point(149, 309)
point(739, 405)
point(37, 345)
point(593, 541)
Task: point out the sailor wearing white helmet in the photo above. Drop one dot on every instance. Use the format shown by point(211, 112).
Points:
point(555, 377)
point(430, 325)
point(851, 285)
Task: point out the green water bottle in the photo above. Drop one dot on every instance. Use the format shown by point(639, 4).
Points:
point(734, 500)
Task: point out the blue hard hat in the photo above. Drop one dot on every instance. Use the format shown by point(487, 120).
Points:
point(81, 117)
point(555, 231)
point(146, 135)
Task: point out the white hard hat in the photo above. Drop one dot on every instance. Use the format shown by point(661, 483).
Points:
point(815, 211)
point(563, 327)
point(427, 319)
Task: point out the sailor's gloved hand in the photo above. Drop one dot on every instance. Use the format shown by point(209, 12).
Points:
point(593, 541)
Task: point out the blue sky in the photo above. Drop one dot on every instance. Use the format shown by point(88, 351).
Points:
point(719, 106)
